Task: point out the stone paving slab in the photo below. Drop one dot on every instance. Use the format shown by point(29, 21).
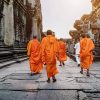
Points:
point(23, 76)
point(18, 86)
point(11, 81)
point(86, 80)
point(17, 95)
point(93, 96)
point(78, 75)
point(66, 75)
point(94, 73)
point(2, 79)
point(96, 86)
point(86, 86)
point(59, 86)
point(67, 80)
point(82, 96)
point(40, 95)
point(57, 95)
point(40, 80)
point(13, 85)
point(97, 76)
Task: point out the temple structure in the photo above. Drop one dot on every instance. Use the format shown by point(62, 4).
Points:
point(90, 23)
point(19, 21)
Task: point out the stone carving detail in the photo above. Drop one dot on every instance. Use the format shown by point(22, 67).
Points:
point(9, 24)
point(19, 23)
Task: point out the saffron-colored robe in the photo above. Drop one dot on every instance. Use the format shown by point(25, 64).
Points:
point(62, 51)
point(34, 53)
point(49, 51)
point(86, 56)
point(29, 47)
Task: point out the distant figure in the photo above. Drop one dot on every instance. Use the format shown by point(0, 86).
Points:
point(77, 52)
point(62, 52)
point(86, 56)
point(49, 53)
point(34, 53)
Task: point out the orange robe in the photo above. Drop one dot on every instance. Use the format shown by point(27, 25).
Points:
point(34, 53)
point(49, 50)
point(29, 47)
point(62, 51)
point(86, 56)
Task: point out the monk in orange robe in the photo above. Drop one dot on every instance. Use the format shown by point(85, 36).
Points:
point(34, 53)
point(49, 51)
point(62, 52)
point(86, 56)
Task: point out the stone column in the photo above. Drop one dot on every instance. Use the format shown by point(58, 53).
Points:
point(34, 27)
point(39, 31)
point(9, 36)
point(2, 29)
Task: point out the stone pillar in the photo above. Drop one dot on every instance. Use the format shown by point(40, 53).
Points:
point(39, 31)
point(2, 29)
point(33, 2)
point(9, 36)
point(34, 28)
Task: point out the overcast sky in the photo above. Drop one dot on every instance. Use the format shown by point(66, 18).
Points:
point(59, 15)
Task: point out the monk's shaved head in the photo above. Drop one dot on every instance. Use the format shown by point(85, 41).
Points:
point(83, 35)
point(34, 37)
point(87, 35)
point(49, 32)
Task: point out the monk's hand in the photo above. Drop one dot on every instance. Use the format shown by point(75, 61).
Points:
point(57, 58)
point(44, 63)
point(91, 51)
point(28, 55)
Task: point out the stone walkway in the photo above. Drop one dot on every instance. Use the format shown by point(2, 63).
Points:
point(17, 84)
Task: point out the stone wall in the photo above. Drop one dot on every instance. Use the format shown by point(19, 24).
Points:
point(12, 29)
point(9, 37)
point(21, 19)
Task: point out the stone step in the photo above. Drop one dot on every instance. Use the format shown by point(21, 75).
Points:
point(7, 63)
point(6, 59)
point(9, 58)
point(5, 53)
point(10, 55)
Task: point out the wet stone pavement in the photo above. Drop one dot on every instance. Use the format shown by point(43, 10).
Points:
point(17, 84)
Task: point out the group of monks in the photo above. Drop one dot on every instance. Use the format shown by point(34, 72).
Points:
point(51, 49)
point(46, 53)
